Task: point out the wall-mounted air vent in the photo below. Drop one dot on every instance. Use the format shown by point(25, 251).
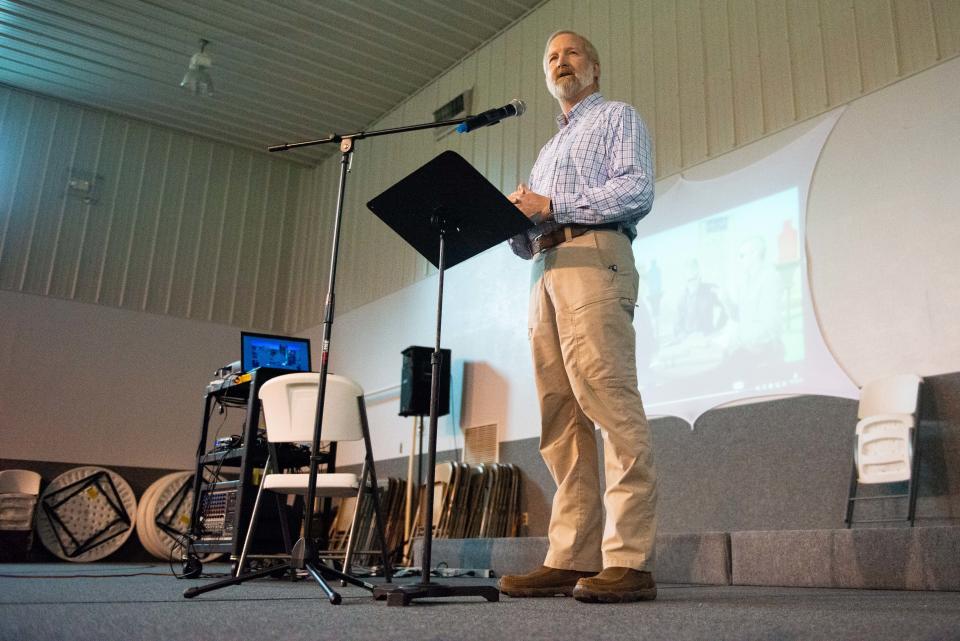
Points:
point(459, 107)
point(480, 444)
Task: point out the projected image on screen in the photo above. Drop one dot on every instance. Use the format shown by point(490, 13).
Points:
point(721, 306)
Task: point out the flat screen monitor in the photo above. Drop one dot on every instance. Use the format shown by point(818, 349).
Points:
point(281, 352)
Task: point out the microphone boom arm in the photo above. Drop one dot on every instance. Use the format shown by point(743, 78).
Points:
point(516, 104)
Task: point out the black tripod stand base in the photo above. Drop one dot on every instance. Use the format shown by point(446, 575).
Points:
point(192, 567)
point(402, 595)
point(320, 573)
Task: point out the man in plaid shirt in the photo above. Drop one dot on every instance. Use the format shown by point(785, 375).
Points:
point(590, 185)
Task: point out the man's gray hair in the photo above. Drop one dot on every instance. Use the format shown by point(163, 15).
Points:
point(588, 47)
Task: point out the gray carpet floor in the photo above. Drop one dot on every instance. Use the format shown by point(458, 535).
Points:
point(132, 602)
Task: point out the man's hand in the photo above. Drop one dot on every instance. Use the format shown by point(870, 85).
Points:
point(533, 205)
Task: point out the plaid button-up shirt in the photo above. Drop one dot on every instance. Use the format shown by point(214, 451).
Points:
point(597, 169)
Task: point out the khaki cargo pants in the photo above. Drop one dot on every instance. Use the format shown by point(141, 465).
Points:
point(581, 333)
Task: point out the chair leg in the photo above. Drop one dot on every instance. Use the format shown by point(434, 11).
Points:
point(283, 513)
point(851, 494)
point(380, 527)
point(250, 528)
point(351, 536)
point(377, 512)
point(416, 527)
point(914, 481)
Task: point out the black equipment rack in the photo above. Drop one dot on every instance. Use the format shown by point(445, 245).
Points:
point(242, 460)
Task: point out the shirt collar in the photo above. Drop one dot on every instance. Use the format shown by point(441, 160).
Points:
point(579, 109)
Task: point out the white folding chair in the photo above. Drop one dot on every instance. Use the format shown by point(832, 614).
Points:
point(19, 482)
point(885, 450)
point(289, 406)
point(19, 491)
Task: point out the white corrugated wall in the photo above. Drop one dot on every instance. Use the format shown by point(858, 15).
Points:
point(707, 75)
point(181, 225)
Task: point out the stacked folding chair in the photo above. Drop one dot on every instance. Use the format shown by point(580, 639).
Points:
point(501, 508)
point(473, 501)
point(19, 492)
point(392, 498)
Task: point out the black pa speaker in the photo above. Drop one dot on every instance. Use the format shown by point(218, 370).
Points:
point(415, 382)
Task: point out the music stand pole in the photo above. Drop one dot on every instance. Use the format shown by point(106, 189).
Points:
point(434, 411)
point(449, 213)
point(402, 595)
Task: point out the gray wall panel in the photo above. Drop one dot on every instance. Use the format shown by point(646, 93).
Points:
point(781, 465)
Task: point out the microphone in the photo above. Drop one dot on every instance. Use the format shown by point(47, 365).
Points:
point(492, 116)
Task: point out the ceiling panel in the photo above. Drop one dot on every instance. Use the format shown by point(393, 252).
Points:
point(283, 70)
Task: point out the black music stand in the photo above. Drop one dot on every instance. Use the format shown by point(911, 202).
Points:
point(448, 212)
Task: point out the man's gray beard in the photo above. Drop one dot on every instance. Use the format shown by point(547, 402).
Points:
point(567, 90)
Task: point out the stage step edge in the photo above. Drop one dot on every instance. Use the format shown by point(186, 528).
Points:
point(893, 558)
point(691, 558)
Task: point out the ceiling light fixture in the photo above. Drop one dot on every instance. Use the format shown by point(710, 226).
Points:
point(197, 79)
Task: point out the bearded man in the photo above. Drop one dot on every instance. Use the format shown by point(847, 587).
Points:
point(590, 185)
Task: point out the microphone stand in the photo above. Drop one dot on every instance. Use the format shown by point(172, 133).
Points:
point(305, 554)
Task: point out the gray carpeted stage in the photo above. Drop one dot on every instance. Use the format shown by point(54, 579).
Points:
point(40, 602)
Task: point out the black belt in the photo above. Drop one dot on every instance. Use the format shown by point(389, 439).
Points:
point(553, 238)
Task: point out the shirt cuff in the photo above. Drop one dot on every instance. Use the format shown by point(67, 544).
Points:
point(562, 207)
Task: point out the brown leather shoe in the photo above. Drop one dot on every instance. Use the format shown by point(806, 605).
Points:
point(616, 585)
point(543, 582)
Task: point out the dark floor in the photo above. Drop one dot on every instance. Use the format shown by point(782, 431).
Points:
point(130, 602)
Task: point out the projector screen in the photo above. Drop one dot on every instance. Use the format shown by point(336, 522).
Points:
point(724, 311)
